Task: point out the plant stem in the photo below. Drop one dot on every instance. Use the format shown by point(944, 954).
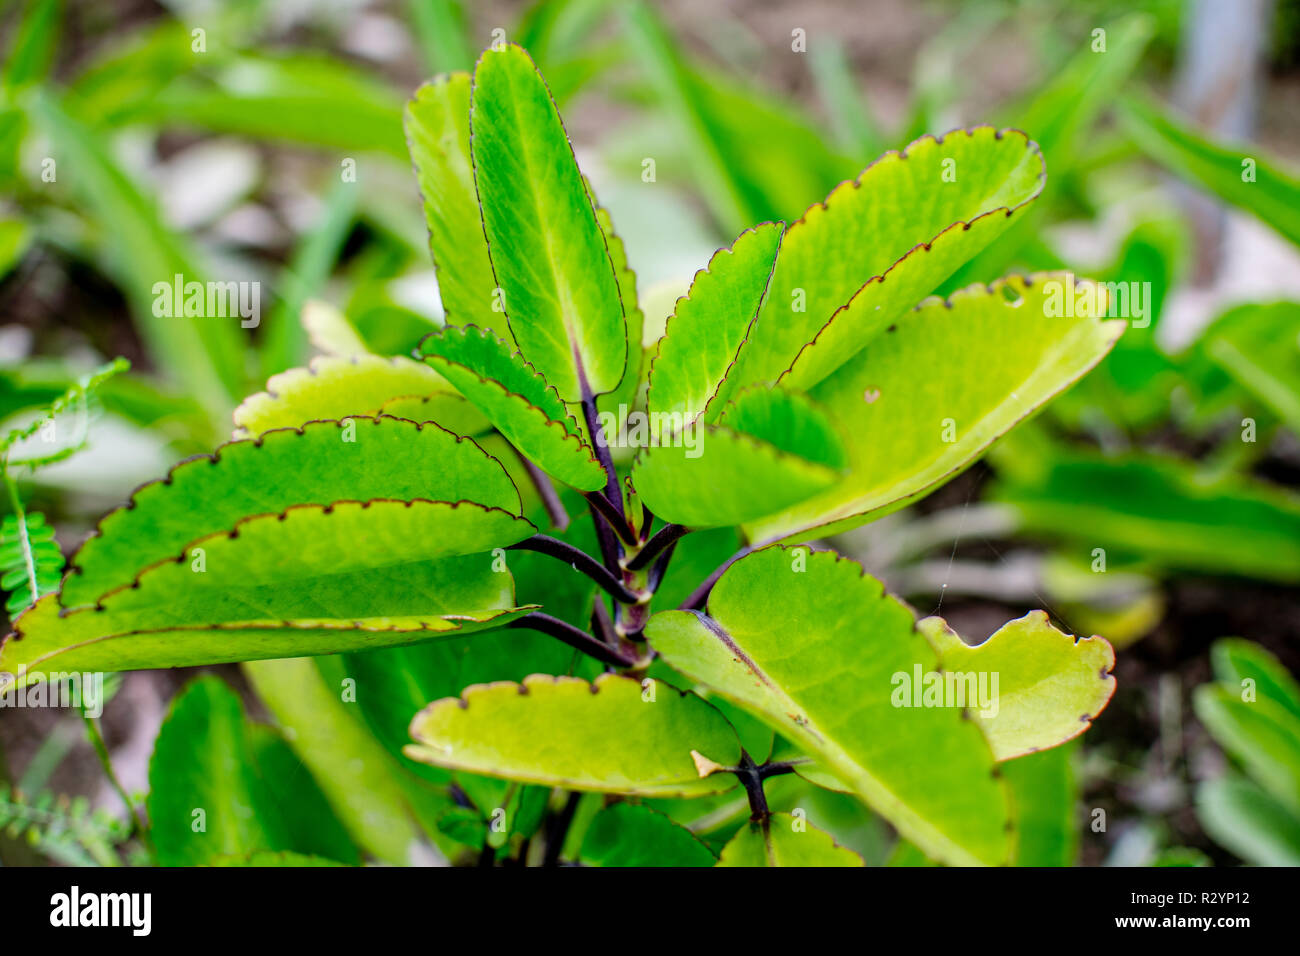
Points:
point(751, 778)
point(558, 830)
point(701, 594)
point(580, 561)
point(574, 637)
point(546, 491)
point(617, 523)
point(101, 751)
point(663, 538)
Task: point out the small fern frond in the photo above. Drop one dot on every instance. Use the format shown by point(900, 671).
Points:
point(31, 563)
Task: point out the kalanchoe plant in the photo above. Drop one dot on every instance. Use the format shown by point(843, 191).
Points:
point(385, 511)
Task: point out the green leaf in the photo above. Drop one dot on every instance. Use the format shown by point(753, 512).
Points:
point(856, 262)
point(784, 840)
point(1237, 173)
point(30, 560)
point(270, 859)
point(627, 834)
point(393, 683)
point(1237, 661)
point(715, 477)
point(139, 250)
point(547, 250)
point(1245, 342)
point(706, 330)
point(605, 736)
point(815, 648)
point(516, 398)
point(1162, 510)
point(338, 751)
point(993, 355)
point(1041, 686)
point(311, 825)
point(1250, 823)
point(310, 580)
point(1044, 799)
point(628, 389)
point(437, 131)
point(333, 387)
point(31, 50)
point(1262, 735)
point(207, 795)
point(316, 464)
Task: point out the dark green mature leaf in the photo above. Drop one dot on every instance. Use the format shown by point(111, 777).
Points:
point(1237, 661)
point(1238, 173)
point(546, 246)
point(338, 750)
point(616, 735)
point(816, 649)
point(310, 580)
point(1259, 346)
point(705, 332)
point(216, 786)
point(437, 131)
point(1162, 510)
point(1049, 687)
point(994, 355)
point(875, 247)
point(785, 840)
point(516, 398)
point(628, 834)
point(317, 464)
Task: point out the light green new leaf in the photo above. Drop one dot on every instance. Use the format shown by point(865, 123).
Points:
point(781, 840)
point(1249, 822)
point(1238, 174)
point(1029, 686)
point(876, 246)
point(517, 400)
point(546, 247)
point(608, 736)
point(628, 834)
point(310, 580)
point(335, 387)
point(706, 330)
point(1261, 734)
point(788, 420)
point(815, 648)
point(437, 131)
point(941, 386)
point(320, 463)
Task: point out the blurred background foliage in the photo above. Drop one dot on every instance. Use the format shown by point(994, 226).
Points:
point(1156, 503)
